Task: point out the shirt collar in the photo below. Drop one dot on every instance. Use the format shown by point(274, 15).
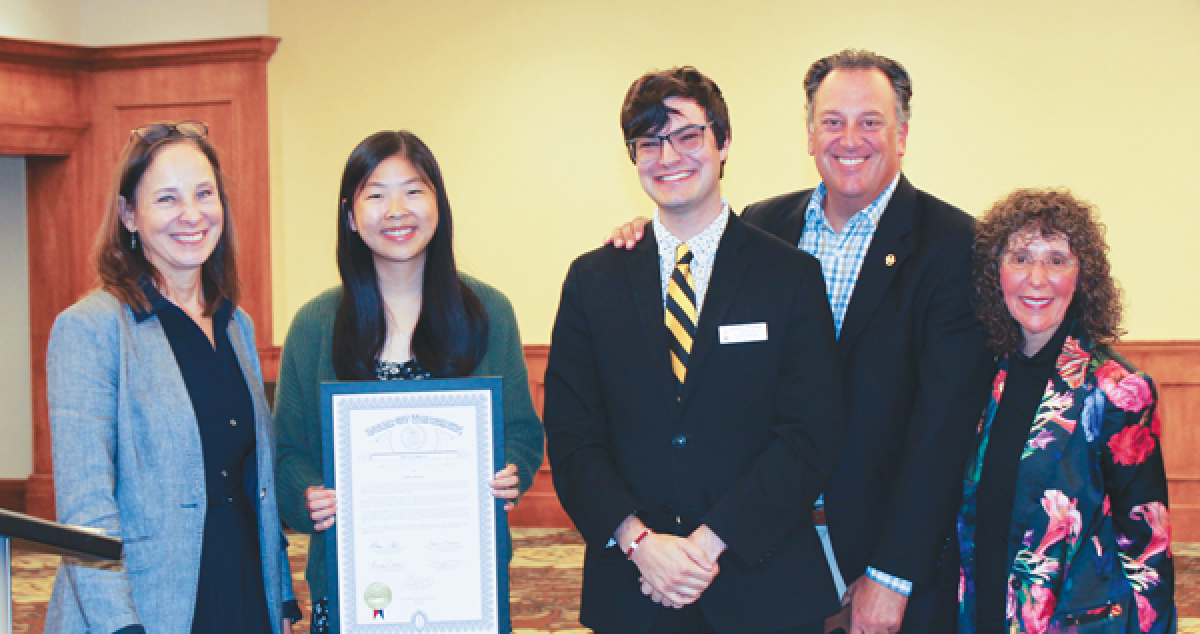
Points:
point(667, 242)
point(814, 214)
point(158, 303)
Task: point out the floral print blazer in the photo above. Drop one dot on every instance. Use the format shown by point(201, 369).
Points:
point(1089, 527)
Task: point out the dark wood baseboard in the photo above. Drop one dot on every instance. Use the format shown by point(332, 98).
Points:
point(12, 494)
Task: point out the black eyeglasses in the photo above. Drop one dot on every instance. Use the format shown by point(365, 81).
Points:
point(155, 132)
point(685, 140)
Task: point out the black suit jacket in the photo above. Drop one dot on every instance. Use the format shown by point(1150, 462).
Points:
point(916, 374)
point(745, 449)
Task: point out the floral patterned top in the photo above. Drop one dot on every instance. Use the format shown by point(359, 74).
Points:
point(1090, 535)
point(396, 371)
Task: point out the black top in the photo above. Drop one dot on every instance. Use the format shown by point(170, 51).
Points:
point(230, 596)
point(1023, 390)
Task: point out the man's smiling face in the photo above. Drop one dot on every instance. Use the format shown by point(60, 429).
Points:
point(856, 138)
point(683, 183)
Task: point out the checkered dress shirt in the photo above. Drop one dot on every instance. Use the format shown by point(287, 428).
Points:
point(841, 257)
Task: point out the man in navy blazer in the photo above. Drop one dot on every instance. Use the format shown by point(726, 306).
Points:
point(915, 368)
point(694, 497)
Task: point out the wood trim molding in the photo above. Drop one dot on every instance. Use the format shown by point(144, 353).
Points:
point(258, 48)
point(236, 49)
point(40, 137)
point(41, 54)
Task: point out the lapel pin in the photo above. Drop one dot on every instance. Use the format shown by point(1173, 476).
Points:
point(890, 259)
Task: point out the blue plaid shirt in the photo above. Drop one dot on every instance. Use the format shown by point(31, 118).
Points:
point(841, 256)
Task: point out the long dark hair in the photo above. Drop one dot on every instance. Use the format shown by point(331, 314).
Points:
point(120, 264)
point(451, 335)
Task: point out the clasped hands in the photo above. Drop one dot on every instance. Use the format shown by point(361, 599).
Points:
point(675, 571)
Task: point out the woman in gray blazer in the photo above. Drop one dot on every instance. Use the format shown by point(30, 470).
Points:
point(161, 432)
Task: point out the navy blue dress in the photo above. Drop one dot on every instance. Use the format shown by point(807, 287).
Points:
point(230, 597)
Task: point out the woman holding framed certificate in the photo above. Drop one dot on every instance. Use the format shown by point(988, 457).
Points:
point(402, 311)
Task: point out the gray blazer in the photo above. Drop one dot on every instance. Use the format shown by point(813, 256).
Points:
point(128, 460)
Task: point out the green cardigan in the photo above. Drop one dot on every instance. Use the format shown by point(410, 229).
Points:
point(308, 360)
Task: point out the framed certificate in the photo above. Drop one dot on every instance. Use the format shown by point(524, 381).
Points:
point(420, 544)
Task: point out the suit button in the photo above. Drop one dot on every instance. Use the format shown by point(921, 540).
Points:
point(679, 440)
point(667, 510)
point(232, 423)
point(224, 473)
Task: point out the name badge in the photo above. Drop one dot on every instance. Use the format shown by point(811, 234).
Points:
point(742, 333)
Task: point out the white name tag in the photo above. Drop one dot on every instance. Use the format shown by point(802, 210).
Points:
point(742, 333)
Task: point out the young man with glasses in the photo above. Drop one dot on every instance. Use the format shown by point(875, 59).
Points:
point(692, 398)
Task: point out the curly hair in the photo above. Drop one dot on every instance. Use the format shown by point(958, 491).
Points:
point(1051, 213)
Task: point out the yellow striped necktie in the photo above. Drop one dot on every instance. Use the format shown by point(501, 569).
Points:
point(681, 312)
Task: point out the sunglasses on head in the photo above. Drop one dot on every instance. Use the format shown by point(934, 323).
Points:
point(155, 132)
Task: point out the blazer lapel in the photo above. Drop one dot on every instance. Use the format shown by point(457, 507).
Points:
point(646, 287)
point(890, 247)
point(1056, 428)
point(173, 410)
point(729, 267)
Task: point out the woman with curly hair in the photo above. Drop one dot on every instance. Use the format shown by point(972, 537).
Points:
point(1063, 524)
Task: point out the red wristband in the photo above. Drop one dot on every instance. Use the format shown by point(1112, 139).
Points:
point(633, 546)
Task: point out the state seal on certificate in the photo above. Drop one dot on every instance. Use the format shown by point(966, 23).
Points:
point(420, 543)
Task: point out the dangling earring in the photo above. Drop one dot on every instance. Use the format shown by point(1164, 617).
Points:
point(133, 241)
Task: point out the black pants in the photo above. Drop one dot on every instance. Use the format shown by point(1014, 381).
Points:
point(690, 620)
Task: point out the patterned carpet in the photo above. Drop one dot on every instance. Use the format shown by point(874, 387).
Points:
point(545, 577)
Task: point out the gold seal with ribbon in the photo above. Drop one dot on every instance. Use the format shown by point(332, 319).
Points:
point(377, 596)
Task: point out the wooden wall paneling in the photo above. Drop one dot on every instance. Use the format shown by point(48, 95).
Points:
point(59, 242)
point(69, 109)
point(41, 106)
point(1175, 368)
point(12, 495)
point(226, 97)
point(539, 506)
point(268, 356)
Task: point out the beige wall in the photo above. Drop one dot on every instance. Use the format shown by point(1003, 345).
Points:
point(519, 101)
point(52, 20)
point(111, 22)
